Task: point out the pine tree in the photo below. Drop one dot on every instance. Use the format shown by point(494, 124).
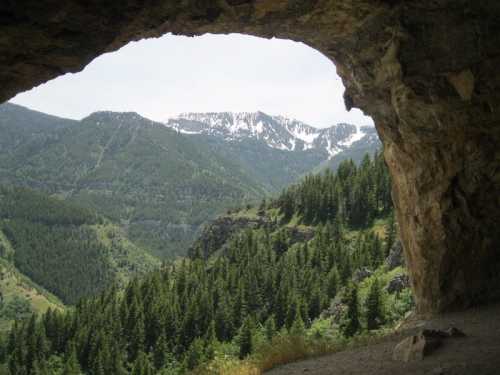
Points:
point(160, 353)
point(333, 282)
point(142, 366)
point(350, 324)
point(298, 327)
point(270, 327)
point(195, 355)
point(71, 365)
point(245, 338)
point(373, 305)
point(390, 236)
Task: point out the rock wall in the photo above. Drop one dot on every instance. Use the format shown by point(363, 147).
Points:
point(427, 71)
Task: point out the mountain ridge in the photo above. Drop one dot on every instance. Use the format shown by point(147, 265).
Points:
point(277, 132)
point(159, 184)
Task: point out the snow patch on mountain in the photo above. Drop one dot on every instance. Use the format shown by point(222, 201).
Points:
point(276, 131)
point(357, 136)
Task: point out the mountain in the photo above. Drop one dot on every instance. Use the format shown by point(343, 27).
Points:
point(30, 126)
point(277, 132)
point(161, 182)
point(158, 184)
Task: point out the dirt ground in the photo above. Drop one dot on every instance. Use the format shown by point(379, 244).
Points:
point(476, 354)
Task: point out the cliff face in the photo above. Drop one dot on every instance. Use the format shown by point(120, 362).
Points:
point(426, 71)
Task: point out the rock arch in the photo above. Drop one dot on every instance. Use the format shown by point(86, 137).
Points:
point(426, 71)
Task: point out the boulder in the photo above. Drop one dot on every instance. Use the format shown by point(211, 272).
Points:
point(360, 274)
point(337, 308)
point(397, 284)
point(416, 347)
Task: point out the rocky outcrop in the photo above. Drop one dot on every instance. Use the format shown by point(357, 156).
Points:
point(337, 308)
point(361, 274)
point(218, 232)
point(426, 71)
point(398, 284)
point(395, 257)
point(216, 235)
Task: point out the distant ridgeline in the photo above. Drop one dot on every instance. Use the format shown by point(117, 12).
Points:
point(162, 182)
point(69, 250)
point(278, 274)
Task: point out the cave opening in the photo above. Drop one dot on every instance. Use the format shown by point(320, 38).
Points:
point(166, 76)
point(425, 72)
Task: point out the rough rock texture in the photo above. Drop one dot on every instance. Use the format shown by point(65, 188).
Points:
point(216, 235)
point(416, 347)
point(427, 71)
point(337, 308)
point(361, 273)
point(395, 257)
point(397, 284)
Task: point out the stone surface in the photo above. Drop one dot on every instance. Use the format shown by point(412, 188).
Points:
point(426, 71)
point(416, 347)
point(217, 233)
point(454, 332)
point(361, 274)
point(398, 283)
point(337, 308)
point(395, 257)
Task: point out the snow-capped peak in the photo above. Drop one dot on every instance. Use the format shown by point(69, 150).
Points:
point(276, 131)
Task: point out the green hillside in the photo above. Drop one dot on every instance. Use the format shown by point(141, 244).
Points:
point(70, 251)
point(20, 297)
point(292, 271)
point(159, 185)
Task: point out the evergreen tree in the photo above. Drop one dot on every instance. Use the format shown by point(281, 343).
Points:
point(298, 327)
point(71, 365)
point(350, 324)
point(142, 366)
point(270, 327)
point(373, 305)
point(245, 338)
point(160, 352)
point(390, 234)
point(195, 355)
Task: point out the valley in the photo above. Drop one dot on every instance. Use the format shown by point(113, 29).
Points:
point(236, 243)
point(288, 268)
point(159, 184)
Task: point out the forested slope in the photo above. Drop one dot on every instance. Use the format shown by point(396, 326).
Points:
point(69, 250)
point(261, 285)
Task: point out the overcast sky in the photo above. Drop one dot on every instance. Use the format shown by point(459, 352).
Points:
point(163, 77)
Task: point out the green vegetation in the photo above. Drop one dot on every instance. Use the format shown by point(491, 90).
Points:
point(20, 297)
point(158, 184)
point(70, 251)
point(263, 298)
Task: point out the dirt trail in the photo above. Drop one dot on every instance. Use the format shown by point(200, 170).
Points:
point(476, 354)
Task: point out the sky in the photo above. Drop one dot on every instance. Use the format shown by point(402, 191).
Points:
point(160, 78)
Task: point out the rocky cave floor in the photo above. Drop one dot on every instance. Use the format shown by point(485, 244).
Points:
point(476, 354)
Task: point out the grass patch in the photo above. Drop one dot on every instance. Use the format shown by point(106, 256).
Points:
point(284, 349)
point(21, 296)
